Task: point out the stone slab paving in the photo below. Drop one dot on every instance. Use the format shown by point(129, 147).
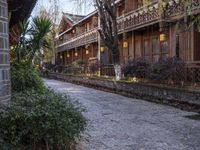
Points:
point(120, 123)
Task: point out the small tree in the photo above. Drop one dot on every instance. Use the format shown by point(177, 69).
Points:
point(109, 32)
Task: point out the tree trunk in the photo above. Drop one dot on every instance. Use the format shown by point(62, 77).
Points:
point(116, 62)
point(118, 72)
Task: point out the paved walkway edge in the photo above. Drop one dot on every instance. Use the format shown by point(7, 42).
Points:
point(183, 99)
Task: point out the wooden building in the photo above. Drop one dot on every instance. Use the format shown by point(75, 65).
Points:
point(16, 11)
point(79, 40)
point(150, 30)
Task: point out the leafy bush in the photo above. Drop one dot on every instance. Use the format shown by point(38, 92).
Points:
point(59, 68)
point(93, 68)
point(45, 120)
point(136, 68)
point(74, 70)
point(49, 66)
point(79, 63)
point(25, 76)
point(171, 68)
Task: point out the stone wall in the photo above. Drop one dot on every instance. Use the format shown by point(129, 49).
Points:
point(162, 94)
point(4, 54)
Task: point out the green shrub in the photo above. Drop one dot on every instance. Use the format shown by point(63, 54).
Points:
point(79, 63)
point(25, 76)
point(138, 67)
point(170, 68)
point(45, 120)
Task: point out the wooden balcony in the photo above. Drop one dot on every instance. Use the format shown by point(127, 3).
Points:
point(176, 9)
point(138, 18)
point(79, 40)
point(151, 14)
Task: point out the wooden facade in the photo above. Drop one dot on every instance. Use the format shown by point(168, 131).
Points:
point(79, 41)
point(144, 31)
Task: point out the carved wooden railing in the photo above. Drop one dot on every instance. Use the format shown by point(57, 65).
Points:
point(179, 8)
point(152, 13)
point(79, 40)
point(139, 17)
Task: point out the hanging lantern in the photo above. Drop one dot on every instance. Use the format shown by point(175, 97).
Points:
point(87, 51)
point(102, 49)
point(163, 37)
point(68, 55)
point(76, 54)
point(125, 44)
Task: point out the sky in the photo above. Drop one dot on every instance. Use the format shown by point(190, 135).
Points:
point(68, 6)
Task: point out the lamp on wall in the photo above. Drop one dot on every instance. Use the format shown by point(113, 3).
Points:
point(76, 53)
point(87, 52)
point(102, 49)
point(163, 37)
point(68, 55)
point(125, 44)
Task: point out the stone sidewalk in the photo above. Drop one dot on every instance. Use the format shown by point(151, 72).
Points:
point(121, 123)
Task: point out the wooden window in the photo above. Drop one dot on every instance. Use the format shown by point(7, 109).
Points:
point(164, 49)
point(155, 48)
point(95, 21)
point(138, 47)
point(87, 27)
point(146, 49)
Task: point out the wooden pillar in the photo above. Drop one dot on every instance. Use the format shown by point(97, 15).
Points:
point(192, 44)
point(92, 50)
point(72, 55)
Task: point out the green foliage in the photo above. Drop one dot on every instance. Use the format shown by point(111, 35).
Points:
point(34, 38)
point(170, 68)
point(136, 68)
point(78, 63)
point(25, 76)
point(40, 120)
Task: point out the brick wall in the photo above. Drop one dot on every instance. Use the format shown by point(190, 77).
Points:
point(4, 54)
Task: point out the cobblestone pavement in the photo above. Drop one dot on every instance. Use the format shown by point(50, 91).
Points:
point(120, 123)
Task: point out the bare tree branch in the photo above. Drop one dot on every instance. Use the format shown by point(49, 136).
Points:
point(109, 32)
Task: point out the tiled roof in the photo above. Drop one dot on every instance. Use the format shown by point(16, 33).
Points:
point(73, 18)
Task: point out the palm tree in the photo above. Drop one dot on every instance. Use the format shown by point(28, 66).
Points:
point(39, 41)
point(21, 47)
